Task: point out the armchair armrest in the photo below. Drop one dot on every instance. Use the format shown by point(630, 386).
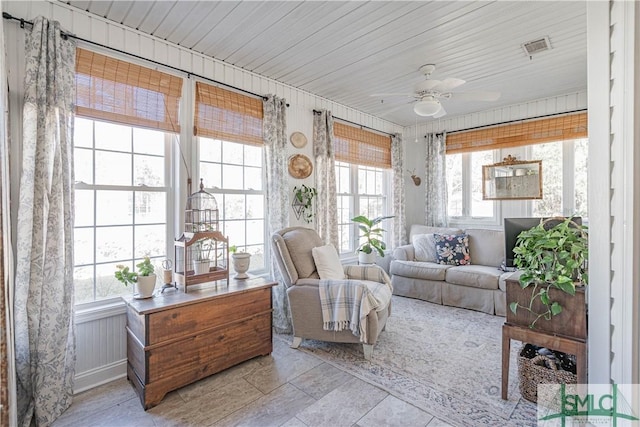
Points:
point(404, 253)
point(374, 273)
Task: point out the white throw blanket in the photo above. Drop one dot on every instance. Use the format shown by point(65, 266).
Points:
point(346, 303)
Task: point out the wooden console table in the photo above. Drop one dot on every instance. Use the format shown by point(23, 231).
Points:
point(177, 338)
point(566, 332)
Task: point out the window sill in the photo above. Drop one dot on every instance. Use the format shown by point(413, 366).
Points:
point(97, 310)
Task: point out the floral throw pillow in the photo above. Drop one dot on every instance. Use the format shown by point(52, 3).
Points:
point(452, 249)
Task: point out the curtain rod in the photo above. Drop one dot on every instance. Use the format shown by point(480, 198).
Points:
point(356, 124)
point(24, 22)
point(515, 121)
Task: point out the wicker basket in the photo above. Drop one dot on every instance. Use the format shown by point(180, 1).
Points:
point(540, 370)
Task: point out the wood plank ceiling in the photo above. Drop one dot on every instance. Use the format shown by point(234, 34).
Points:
point(348, 50)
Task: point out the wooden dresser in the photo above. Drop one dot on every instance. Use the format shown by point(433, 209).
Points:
point(177, 338)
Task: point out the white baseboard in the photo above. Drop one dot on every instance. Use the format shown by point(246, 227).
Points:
point(101, 375)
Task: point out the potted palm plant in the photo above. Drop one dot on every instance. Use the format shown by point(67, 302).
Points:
point(371, 239)
point(144, 280)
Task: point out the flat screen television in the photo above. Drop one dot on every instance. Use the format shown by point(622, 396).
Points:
point(514, 226)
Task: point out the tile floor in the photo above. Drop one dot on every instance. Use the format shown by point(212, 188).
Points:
point(288, 388)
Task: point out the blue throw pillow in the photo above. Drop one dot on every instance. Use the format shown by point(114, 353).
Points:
point(452, 249)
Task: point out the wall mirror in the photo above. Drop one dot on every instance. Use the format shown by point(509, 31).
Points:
point(512, 179)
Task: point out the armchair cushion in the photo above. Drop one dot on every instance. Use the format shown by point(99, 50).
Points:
point(300, 242)
point(328, 262)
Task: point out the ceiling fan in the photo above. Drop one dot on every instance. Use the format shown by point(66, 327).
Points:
point(428, 93)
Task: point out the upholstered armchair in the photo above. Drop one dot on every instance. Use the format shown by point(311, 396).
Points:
point(292, 248)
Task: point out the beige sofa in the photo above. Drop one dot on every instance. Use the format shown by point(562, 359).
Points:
point(479, 286)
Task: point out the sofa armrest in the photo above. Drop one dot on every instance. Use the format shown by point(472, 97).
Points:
point(404, 253)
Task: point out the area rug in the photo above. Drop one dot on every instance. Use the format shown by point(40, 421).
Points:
point(444, 360)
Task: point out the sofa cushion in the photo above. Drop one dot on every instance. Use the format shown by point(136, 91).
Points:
point(426, 229)
point(424, 246)
point(300, 242)
point(452, 249)
point(475, 276)
point(486, 246)
point(419, 270)
point(328, 262)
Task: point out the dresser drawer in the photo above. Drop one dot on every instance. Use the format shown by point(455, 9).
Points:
point(211, 351)
point(181, 321)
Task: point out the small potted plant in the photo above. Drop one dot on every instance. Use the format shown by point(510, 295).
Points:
point(144, 280)
point(303, 202)
point(372, 234)
point(201, 256)
point(553, 264)
point(241, 261)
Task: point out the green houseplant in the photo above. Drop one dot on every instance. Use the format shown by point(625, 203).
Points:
point(303, 202)
point(144, 280)
point(550, 258)
point(371, 238)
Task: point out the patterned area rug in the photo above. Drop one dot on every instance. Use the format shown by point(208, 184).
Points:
point(444, 360)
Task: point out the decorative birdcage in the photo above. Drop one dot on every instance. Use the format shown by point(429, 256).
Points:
point(201, 213)
point(201, 252)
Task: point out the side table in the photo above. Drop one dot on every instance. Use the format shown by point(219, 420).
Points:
point(575, 346)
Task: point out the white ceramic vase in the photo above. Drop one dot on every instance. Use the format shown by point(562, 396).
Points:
point(365, 258)
point(145, 286)
point(200, 266)
point(241, 263)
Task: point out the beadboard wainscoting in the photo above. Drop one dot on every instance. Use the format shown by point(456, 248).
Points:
point(101, 344)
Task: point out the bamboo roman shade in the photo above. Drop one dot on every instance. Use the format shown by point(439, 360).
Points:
point(559, 128)
point(361, 147)
point(227, 115)
point(122, 92)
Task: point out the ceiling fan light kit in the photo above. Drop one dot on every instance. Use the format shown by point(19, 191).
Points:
point(427, 106)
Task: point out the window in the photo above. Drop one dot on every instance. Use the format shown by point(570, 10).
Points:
point(230, 160)
point(464, 185)
point(564, 178)
point(126, 119)
point(233, 173)
point(363, 175)
point(362, 190)
point(121, 203)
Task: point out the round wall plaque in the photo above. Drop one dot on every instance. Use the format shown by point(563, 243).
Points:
point(300, 166)
point(298, 139)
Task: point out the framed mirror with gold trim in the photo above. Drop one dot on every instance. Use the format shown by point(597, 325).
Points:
point(512, 179)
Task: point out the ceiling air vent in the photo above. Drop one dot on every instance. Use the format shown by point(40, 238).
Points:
point(536, 46)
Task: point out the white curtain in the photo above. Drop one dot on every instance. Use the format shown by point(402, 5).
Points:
point(43, 306)
point(277, 196)
point(399, 232)
point(435, 183)
point(7, 368)
point(325, 158)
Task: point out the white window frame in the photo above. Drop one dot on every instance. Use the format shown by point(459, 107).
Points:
point(466, 217)
point(167, 189)
point(354, 205)
point(568, 177)
point(215, 191)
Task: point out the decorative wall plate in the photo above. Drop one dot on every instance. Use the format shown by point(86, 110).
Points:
point(298, 139)
point(300, 166)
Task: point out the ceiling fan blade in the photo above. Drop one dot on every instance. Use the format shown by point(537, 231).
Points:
point(440, 113)
point(481, 95)
point(397, 107)
point(448, 84)
point(428, 84)
point(391, 94)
